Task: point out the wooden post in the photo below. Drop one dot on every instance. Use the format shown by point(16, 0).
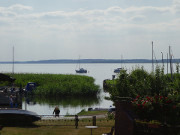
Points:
point(94, 120)
point(76, 121)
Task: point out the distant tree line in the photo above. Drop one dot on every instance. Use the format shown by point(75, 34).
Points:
point(93, 61)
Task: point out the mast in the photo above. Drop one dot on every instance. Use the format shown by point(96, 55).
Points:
point(162, 59)
point(13, 62)
point(167, 63)
point(170, 61)
point(121, 60)
point(152, 59)
point(79, 61)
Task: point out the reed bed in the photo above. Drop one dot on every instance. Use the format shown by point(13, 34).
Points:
point(59, 84)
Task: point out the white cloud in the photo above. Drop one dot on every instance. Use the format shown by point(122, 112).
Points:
point(112, 18)
point(112, 12)
point(19, 7)
point(6, 13)
point(95, 27)
point(138, 18)
point(176, 6)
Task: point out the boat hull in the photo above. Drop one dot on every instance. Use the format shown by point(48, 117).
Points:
point(77, 71)
point(9, 117)
point(81, 70)
point(117, 70)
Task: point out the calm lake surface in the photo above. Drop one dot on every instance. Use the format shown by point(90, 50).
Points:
point(74, 105)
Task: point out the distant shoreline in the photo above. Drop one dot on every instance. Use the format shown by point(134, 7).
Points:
point(66, 61)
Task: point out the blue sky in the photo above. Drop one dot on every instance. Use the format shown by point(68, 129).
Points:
point(107, 29)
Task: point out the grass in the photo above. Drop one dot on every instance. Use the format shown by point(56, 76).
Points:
point(83, 112)
point(61, 127)
point(53, 130)
point(103, 122)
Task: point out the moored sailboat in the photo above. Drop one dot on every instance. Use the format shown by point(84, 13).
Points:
point(117, 70)
point(80, 70)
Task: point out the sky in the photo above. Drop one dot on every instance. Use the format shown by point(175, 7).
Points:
point(91, 29)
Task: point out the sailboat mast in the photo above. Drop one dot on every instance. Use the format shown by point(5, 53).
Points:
point(162, 59)
point(152, 59)
point(167, 63)
point(121, 60)
point(13, 62)
point(170, 60)
point(79, 62)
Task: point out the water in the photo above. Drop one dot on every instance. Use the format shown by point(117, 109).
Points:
point(67, 106)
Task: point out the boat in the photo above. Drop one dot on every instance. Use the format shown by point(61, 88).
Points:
point(17, 116)
point(30, 86)
point(117, 70)
point(4, 77)
point(81, 70)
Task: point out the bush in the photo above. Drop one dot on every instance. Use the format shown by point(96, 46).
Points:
point(160, 108)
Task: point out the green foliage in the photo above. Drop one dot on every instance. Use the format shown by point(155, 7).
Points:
point(130, 85)
point(155, 96)
point(59, 84)
point(6, 83)
point(140, 82)
point(82, 112)
point(177, 68)
point(65, 101)
point(123, 85)
point(163, 109)
point(111, 116)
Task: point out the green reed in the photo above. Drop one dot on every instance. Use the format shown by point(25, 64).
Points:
point(58, 84)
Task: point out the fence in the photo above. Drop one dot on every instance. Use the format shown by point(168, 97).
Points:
point(74, 120)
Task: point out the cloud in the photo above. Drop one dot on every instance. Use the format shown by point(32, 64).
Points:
point(144, 19)
point(138, 18)
point(65, 32)
point(176, 6)
point(11, 15)
point(6, 13)
point(19, 7)
point(138, 10)
point(96, 14)
point(112, 13)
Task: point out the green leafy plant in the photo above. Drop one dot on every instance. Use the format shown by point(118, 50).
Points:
point(159, 108)
point(111, 116)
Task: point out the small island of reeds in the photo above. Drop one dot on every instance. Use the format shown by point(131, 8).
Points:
point(59, 84)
